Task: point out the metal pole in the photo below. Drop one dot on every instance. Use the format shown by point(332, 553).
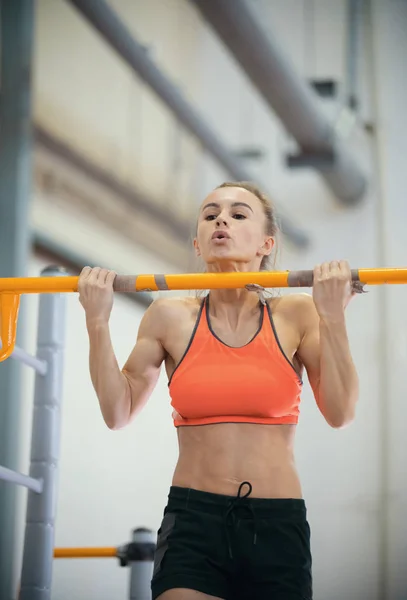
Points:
point(384, 324)
point(38, 554)
point(16, 37)
point(354, 9)
point(141, 568)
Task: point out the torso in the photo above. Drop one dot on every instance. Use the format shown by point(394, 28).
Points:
point(218, 457)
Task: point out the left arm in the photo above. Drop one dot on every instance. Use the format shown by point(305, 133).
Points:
point(324, 349)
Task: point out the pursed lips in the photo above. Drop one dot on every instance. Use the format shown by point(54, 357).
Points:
point(220, 235)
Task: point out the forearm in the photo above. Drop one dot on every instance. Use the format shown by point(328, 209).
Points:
point(338, 385)
point(111, 386)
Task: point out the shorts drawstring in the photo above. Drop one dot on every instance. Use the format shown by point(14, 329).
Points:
point(230, 515)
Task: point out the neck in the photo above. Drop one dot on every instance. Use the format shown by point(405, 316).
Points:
point(237, 300)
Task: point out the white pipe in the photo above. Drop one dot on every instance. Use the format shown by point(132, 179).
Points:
point(40, 366)
point(35, 485)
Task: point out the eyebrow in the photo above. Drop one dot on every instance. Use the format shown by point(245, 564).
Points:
point(234, 204)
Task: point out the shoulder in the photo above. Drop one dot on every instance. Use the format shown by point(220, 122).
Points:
point(295, 303)
point(299, 308)
point(174, 305)
point(169, 310)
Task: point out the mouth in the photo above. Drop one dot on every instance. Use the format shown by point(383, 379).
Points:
point(220, 235)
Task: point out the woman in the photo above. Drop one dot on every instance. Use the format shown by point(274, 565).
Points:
point(235, 525)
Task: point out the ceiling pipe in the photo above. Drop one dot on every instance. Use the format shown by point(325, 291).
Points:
point(287, 94)
point(114, 31)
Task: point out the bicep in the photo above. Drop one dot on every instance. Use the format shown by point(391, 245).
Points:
point(143, 365)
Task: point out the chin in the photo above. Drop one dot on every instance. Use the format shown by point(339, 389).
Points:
point(221, 257)
point(226, 261)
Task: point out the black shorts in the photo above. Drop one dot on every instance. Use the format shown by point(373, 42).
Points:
point(233, 547)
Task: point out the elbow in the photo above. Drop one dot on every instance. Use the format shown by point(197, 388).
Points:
point(115, 422)
point(114, 425)
point(342, 418)
point(119, 416)
point(339, 415)
point(340, 421)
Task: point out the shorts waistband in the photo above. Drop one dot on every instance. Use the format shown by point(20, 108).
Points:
point(209, 500)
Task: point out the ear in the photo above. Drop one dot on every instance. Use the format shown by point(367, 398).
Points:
point(267, 246)
point(196, 246)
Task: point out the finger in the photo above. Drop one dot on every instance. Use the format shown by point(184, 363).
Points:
point(334, 266)
point(325, 270)
point(94, 275)
point(344, 271)
point(317, 272)
point(83, 279)
point(102, 276)
point(111, 276)
point(344, 267)
point(85, 272)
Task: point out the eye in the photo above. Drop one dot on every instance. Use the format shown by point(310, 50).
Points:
point(239, 216)
point(210, 217)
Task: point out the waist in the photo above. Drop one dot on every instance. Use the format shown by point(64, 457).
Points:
point(216, 458)
point(183, 498)
point(283, 484)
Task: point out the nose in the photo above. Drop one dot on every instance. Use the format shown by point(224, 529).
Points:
point(221, 220)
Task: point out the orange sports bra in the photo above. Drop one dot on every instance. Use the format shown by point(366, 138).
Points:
point(217, 383)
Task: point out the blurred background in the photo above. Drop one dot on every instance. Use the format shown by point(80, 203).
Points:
point(116, 119)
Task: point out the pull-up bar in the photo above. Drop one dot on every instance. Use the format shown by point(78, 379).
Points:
point(11, 288)
point(85, 552)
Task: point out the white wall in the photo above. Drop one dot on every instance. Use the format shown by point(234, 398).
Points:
point(343, 472)
point(86, 95)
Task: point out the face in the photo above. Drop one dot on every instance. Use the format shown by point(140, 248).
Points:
point(232, 229)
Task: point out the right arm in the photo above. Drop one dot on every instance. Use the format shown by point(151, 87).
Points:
point(121, 393)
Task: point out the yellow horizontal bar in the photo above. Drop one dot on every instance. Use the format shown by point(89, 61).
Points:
point(85, 552)
point(137, 283)
point(39, 285)
point(211, 281)
point(196, 281)
point(383, 276)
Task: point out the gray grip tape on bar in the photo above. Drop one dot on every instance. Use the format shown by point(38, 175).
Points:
point(125, 283)
point(306, 278)
point(160, 282)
